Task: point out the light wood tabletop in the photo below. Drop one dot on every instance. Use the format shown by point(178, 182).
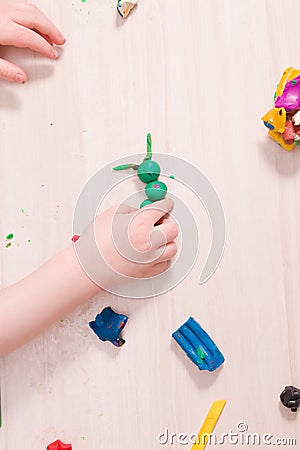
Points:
point(199, 75)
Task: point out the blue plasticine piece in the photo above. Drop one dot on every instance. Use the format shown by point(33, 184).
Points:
point(214, 353)
point(198, 345)
point(108, 326)
point(186, 346)
point(190, 337)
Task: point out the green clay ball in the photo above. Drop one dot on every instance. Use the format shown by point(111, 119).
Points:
point(145, 203)
point(156, 190)
point(148, 171)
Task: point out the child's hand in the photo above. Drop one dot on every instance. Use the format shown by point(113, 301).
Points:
point(22, 24)
point(60, 285)
point(133, 243)
point(141, 242)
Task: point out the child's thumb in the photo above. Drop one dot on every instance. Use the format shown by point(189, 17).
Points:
point(11, 72)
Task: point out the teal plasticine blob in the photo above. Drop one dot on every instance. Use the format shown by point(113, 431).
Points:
point(145, 203)
point(156, 190)
point(148, 171)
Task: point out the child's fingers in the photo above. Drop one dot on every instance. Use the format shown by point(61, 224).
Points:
point(161, 235)
point(123, 209)
point(159, 268)
point(168, 253)
point(163, 220)
point(34, 19)
point(27, 38)
point(11, 72)
point(169, 229)
point(44, 36)
point(157, 210)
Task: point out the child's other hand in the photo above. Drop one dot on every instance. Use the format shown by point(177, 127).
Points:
point(22, 24)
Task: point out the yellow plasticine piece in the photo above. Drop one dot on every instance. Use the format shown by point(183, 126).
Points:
point(277, 118)
point(209, 424)
point(289, 74)
point(279, 139)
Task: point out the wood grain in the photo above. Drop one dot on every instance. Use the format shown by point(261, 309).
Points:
point(198, 75)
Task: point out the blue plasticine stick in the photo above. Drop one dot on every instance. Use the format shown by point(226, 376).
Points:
point(201, 334)
point(191, 337)
point(208, 342)
point(195, 343)
point(186, 346)
point(194, 340)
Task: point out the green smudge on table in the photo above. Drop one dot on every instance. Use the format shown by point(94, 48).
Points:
point(10, 236)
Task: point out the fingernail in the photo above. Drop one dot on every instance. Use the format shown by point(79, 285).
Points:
point(20, 78)
point(55, 54)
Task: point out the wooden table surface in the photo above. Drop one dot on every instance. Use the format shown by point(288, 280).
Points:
point(198, 74)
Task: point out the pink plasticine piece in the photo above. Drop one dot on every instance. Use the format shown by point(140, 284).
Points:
point(290, 99)
point(289, 132)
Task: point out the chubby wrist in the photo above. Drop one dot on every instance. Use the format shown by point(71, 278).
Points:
point(76, 273)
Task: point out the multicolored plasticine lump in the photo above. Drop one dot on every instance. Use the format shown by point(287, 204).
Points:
point(283, 121)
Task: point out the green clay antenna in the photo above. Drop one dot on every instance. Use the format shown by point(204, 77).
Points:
point(136, 166)
point(149, 147)
point(126, 166)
